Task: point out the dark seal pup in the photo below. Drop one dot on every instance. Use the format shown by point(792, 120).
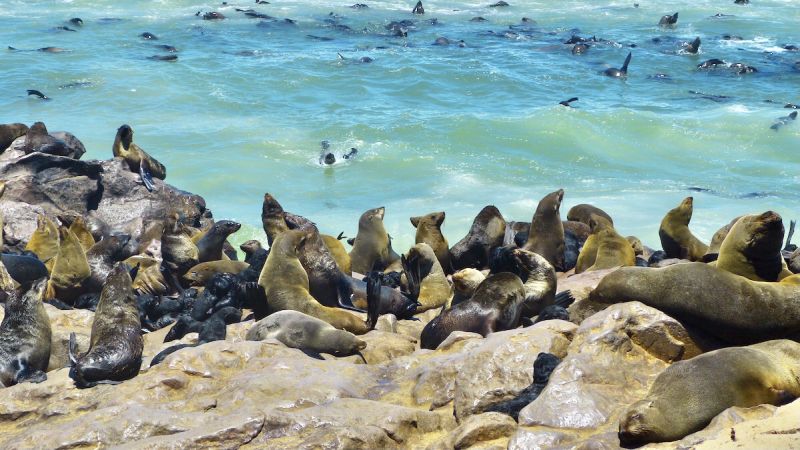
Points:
point(115, 347)
point(25, 337)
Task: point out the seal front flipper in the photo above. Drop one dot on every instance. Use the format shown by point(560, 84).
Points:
point(564, 299)
point(312, 353)
point(345, 295)
point(26, 373)
point(146, 176)
point(374, 286)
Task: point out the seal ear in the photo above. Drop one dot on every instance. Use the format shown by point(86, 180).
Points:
point(439, 219)
point(415, 221)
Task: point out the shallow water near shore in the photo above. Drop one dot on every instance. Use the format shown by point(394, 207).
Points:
point(244, 108)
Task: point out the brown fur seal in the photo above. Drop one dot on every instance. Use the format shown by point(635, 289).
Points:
point(716, 241)
point(209, 245)
point(426, 279)
point(371, 246)
point(149, 278)
point(429, 231)
point(101, 259)
point(70, 269)
point(138, 160)
point(9, 133)
point(465, 281)
point(272, 218)
point(583, 212)
point(338, 252)
point(753, 246)
point(546, 235)
point(37, 139)
point(81, 232)
point(177, 248)
point(250, 248)
point(201, 273)
point(115, 346)
point(495, 306)
point(605, 248)
point(717, 302)
point(487, 232)
point(44, 241)
point(539, 280)
point(676, 239)
point(25, 337)
point(285, 282)
point(297, 330)
point(688, 394)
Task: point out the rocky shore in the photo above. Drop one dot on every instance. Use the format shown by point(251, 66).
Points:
point(236, 393)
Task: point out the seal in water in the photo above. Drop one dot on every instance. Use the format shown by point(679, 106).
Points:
point(688, 394)
point(668, 21)
point(418, 9)
point(138, 160)
point(622, 72)
point(115, 346)
point(25, 337)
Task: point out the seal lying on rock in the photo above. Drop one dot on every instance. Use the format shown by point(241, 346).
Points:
point(725, 305)
point(25, 338)
point(297, 330)
point(688, 394)
point(676, 239)
point(115, 347)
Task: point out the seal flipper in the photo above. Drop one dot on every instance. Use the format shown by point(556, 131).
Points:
point(166, 352)
point(73, 349)
point(345, 295)
point(255, 299)
point(374, 286)
point(146, 176)
point(311, 353)
point(411, 269)
point(564, 299)
point(789, 247)
point(624, 68)
point(25, 373)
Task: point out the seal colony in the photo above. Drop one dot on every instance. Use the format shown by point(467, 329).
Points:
point(302, 288)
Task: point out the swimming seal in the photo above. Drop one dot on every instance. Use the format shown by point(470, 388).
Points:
point(426, 279)
point(752, 311)
point(9, 133)
point(487, 231)
point(418, 9)
point(495, 306)
point(210, 244)
point(688, 394)
point(692, 47)
point(138, 160)
point(752, 248)
point(546, 236)
point(668, 20)
point(676, 239)
point(115, 346)
point(297, 330)
point(622, 72)
point(25, 337)
point(371, 246)
point(429, 231)
point(285, 283)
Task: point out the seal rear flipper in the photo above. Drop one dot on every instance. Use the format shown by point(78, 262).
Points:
point(146, 176)
point(255, 299)
point(73, 349)
point(525, 322)
point(564, 299)
point(312, 353)
point(374, 286)
point(789, 247)
point(411, 269)
point(166, 352)
point(345, 295)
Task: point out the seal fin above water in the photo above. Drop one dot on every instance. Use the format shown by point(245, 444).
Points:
point(624, 68)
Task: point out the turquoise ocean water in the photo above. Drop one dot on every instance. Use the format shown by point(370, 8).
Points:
point(244, 108)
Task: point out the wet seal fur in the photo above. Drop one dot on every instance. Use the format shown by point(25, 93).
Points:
point(297, 330)
point(688, 394)
point(25, 337)
point(546, 235)
point(752, 248)
point(714, 301)
point(495, 306)
point(116, 344)
point(487, 232)
point(676, 239)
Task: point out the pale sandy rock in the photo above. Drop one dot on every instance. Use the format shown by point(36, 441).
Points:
point(479, 430)
point(383, 346)
point(226, 432)
point(387, 323)
point(580, 286)
point(526, 438)
point(456, 337)
point(19, 222)
point(62, 323)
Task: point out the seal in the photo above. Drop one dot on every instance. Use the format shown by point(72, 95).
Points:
point(543, 367)
point(115, 346)
point(753, 246)
point(101, 258)
point(605, 248)
point(177, 248)
point(275, 220)
point(25, 337)
point(251, 249)
point(495, 306)
point(210, 243)
point(676, 239)
point(537, 274)
point(44, 241)
point(138, 160)
point(390, 301)
point(716, 241)
point(338, 252)
point(371, 246)
point(69, 270)
point(212, 329)
point(622, 72)
point(24, 269)
point(465, 281)
point(583, 212)
point(546, 236)
point(427, 282)
point(78, 227)
point(9, 133)
point(201, 273)
point(668, 20)
point(37, 139)
point(772, 310)
point(418, 9)
point(688, 394)
point(429, 231)
point(285, 284)
point(297, 330)
point(487, 231)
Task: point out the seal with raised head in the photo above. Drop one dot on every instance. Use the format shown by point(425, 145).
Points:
point(487, 232)
point(688, 394)
point(371, 246)
point(429, 231)
point(495, 306)
point(210, 243)
point(716, 241)
point(668, 20)
point(25, 337)
point(101, 259)
point(753, 246)
point(138, 160)
point(722, 304)
point(297, 330)
point(285, 283)
point(9, 133)
point(676, 239)
point(546, 235)
point(44, 241)
point(201, 273)
point(115, 346)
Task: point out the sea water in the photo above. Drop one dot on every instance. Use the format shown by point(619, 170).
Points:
point(244, 108)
